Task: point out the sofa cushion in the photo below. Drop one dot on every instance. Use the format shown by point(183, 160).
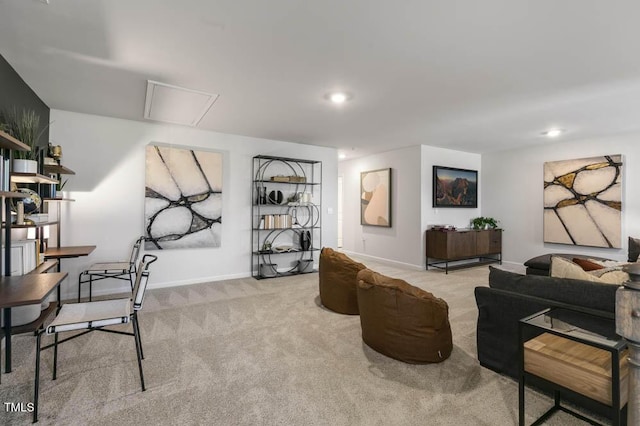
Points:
point(587, 264)
point(564, 268)
point(592, 295)
point(544, 261)
point(634, 249)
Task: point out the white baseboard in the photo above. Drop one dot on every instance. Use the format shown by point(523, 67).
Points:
point(199, 280)
point(384, 260)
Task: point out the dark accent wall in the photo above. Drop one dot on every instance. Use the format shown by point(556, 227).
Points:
point(14, 92)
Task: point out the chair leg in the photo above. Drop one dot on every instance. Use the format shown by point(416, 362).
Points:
point(139, 337)
point(55, 357)
point(131, 280)
point(79, 286)
point(90, 286)
point(138, 348)
point(37, 378)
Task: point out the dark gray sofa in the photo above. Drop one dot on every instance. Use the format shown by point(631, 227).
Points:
point(511, 296)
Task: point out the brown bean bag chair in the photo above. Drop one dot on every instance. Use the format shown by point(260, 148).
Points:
point(403, 321)
point(338, 286)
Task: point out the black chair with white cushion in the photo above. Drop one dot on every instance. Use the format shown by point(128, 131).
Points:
point(93, 316)
point(120, 270)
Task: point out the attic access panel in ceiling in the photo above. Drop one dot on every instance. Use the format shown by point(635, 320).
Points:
point(177, 105)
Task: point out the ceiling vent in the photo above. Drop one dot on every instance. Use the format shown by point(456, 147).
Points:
point(177, 105)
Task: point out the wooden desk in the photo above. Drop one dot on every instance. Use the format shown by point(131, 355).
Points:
point(26, 290)
point(68, 252)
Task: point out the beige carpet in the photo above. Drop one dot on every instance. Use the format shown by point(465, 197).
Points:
point(247, 352)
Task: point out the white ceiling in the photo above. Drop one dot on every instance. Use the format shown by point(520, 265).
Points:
point(470, 75)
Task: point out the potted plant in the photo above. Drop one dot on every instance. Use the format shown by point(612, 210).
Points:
point(484, 223)
point(25, 128)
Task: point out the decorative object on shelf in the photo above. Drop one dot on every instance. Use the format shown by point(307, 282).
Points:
point(305, 216)
point(25, 127)
point(262, 195)
point(305, 240)
point(268, 270)
point(455, 187)
point(19, 212)
point(305, 265)
point(31, 203)
point(484, 223)
point(283, 248)
point(289, 179)
point(183, 200)
point(275, 197)
point(55, 152)
point(49, 161)
point(583, 201)
point(269, 221)
point(375, 198)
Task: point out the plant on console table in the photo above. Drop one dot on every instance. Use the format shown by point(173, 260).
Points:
point(24, 127)
point(484, 223)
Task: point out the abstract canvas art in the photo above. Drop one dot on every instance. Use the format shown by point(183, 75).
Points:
point(183, 198)
point(583, 201)
point(375, 198)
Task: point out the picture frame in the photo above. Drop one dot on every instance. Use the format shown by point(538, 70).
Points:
point(375, 198)
point(454, 187)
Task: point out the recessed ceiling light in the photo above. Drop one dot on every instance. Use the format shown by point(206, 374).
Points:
point(342, 156)
point(553, 133)
point(338, 98)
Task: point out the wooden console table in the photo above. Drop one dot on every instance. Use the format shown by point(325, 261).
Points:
point(446, 246)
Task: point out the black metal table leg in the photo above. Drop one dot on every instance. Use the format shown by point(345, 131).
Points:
point(7, 340)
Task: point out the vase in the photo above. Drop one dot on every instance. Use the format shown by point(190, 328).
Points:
point(262, 195)
point(25, 166)
point(305, 240)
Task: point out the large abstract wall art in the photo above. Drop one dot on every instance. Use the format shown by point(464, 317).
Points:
point(583, 201)
point(183, 198)
point(375, 198)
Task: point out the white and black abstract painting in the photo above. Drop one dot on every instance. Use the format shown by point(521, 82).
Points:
point(583, 201)
point(183, 198)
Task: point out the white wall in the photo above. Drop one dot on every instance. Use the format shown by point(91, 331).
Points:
point(411, 204)
point(513, 190)
point(108, 156)
point(401, 242)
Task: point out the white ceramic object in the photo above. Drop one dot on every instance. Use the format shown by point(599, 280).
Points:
point(25, 166)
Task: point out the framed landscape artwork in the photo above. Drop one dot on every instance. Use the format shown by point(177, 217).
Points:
point(455, 187)
point(183, 198)
point(375, 198)
point(583, 201)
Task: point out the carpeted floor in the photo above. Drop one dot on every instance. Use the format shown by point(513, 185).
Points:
point(247, 352)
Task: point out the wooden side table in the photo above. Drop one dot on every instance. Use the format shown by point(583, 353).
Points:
point(570, 360)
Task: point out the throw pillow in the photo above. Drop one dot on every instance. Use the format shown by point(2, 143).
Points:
point(634, 249)
point(586, 264)
point(564, 268)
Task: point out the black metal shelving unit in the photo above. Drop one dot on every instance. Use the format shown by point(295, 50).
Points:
point(286, 198)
